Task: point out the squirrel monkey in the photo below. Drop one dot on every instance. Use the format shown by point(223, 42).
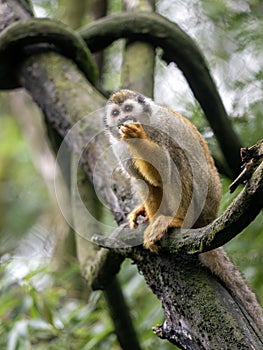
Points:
point(173, 172)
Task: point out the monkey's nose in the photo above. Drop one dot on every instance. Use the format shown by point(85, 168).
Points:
point(129, 117)
point(126, 119)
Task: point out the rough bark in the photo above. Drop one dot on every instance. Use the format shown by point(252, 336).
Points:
point(199, 312)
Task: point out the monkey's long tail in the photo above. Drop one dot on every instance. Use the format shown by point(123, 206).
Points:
point(221, 265)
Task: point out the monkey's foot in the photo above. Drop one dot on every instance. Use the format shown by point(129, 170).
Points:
point(130, 130)
point(157, 229)
point(133, 216)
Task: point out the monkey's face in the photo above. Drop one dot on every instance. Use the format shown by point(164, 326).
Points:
point(123, 106)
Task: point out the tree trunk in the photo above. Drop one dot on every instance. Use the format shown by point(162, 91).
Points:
point(199, 311)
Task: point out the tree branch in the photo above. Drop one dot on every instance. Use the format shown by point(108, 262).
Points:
point(31, 36)
point(199, 312)
point(121, 317)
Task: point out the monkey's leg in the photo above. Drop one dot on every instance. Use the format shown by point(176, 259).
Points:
point(133, 216)
point(157, 229)
point(148, 209)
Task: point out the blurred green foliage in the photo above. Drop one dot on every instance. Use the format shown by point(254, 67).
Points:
point(37, 311)
point(38, 308)
point(23, 196)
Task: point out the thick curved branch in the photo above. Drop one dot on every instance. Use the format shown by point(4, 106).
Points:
point(242, 211)
point(24, 38)
point(181, 49)
point(15, 44)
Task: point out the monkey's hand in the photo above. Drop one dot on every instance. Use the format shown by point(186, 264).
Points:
point(133, 216)
point(131, 130)
point(157, 229)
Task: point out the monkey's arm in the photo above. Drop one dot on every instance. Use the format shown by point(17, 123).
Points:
point(149, 158)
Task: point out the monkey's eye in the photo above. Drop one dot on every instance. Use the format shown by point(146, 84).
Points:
point(128, 108)
point(115, 112)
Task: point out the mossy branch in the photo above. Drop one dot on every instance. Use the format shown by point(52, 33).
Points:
point(24, 38)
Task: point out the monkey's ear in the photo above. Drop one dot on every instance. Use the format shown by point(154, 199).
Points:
point(141, 99)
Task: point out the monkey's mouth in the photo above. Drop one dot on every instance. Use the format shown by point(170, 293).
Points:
point(126, 119)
